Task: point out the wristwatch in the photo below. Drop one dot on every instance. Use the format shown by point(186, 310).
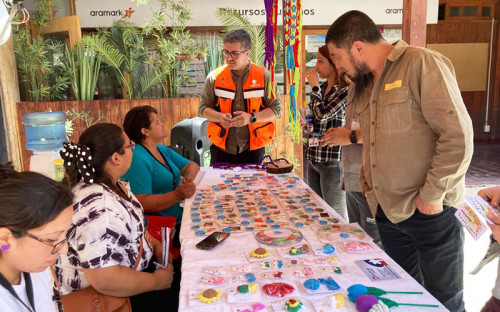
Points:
point(315, 89)
point(353, 137)
point(253, 119)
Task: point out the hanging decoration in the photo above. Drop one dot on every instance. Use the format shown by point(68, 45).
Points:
point(293, 32)
point(271, 42)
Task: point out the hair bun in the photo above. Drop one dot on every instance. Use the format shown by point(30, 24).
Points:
point(6, 170)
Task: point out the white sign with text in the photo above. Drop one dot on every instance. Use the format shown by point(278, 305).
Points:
point(98, 13)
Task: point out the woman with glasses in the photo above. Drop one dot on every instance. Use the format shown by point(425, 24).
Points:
point(155, 173)
point(109, 233)
point(35, 214)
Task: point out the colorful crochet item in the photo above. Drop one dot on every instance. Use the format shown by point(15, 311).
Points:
point(247, 288)
point(358, 289)
point(260, 252)
point(293, 305)
point(271, 41)
point(209, 295)
point(293, 28)
point(278, 289)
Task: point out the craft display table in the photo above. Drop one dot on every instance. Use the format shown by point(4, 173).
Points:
point(281, 235)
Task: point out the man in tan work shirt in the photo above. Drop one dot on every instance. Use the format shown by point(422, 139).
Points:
point(237, 102)
point(417, 146)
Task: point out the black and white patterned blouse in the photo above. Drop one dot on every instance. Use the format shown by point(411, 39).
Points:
point(108, 232)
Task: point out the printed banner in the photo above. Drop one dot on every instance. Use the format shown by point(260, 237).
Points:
point(98, 13)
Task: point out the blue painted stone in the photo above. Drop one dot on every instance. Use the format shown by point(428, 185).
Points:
point(344, 235)
point(200, 233)
point(311, 284)
point(250, 277)
point(328, 249)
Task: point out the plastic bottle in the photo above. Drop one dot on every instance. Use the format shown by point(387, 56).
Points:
point(45, 131)
point(45, 134)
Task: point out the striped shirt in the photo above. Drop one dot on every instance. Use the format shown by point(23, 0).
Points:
point(328, 111)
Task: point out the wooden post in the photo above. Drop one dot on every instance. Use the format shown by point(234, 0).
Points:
point(415, 22)
point(9, 88)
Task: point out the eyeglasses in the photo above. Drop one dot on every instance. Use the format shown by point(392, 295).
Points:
point(233, 54)
point(55, 247)
point(132, 146)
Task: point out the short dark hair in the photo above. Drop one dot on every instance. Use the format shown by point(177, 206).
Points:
point(103, 139)
point(136, 119)
point(29, 200)
point(240, 36)
point(352, 26)
point(341, 79)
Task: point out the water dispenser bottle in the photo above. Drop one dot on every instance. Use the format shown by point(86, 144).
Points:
point(45, 134)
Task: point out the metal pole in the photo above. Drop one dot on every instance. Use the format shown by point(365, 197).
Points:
point(486, 126)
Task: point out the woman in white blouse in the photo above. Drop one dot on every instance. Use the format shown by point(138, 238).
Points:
point(108, 222)
point(35, 214)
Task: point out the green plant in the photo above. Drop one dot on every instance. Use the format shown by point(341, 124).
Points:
point(83, 65)
point(84, 115)
point(38, 58)
point(214, 58)
point(176, 47)
point(124, 56)
point(233, 20)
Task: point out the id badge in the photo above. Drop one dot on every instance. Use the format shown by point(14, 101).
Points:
point(354, 125)
point(314, 141)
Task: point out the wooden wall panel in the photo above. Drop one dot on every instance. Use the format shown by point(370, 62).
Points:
point(474, 31)
point(171, 111)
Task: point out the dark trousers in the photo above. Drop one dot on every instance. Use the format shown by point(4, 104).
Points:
point(166, 300)
point(247, 157)
point(430, 249)
point(359, 211)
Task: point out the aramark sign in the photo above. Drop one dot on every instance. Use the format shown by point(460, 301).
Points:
point(96, 13)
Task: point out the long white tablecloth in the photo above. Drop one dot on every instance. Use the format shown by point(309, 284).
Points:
point(232, 251)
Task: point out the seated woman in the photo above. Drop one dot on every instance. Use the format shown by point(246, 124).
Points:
point(35, 215)
point(107, 229)
point(156, 169)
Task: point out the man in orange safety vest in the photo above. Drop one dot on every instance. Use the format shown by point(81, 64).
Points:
point(237, 102)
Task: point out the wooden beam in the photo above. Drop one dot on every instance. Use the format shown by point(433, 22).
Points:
point(9, 89)
point(415, 22)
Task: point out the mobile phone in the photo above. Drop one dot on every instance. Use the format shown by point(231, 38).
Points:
point(212, 240)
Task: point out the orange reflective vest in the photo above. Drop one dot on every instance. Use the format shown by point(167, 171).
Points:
point(261, 133)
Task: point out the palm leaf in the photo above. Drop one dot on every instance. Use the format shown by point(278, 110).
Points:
point(147, 81)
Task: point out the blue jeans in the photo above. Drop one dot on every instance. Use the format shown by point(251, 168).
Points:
point(359, 211)
point(430, 249)
point(324, 179)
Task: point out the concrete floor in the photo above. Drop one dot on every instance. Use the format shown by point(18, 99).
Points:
point(484, 171)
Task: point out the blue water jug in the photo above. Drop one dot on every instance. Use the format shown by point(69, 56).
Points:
point(45, 131)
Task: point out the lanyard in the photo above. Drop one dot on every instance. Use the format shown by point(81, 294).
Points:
point(29, 290)
point(166, 162)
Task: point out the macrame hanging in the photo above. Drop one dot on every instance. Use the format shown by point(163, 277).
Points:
point(293, 29)
point(271, 42)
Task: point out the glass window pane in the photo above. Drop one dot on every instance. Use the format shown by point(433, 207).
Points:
point(486, 11)
point(463, 11)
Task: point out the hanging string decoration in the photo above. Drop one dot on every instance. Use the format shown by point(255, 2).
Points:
point(271, 42)
point(293, 32)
